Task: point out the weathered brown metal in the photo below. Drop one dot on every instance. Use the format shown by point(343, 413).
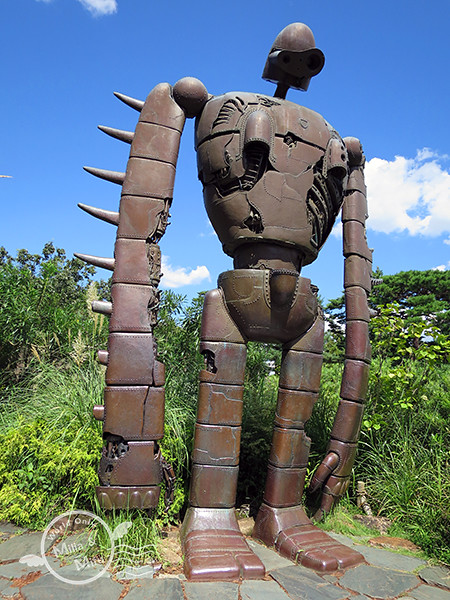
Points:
point(348, 421)
point(294, 407)
point(217, 324)
point(290, 448)
point(355, 241)
point(97, 261)
point(143, 497)
point(207, 528)
point(213, 487)
point(291, 533)
point(355, 380)
point(357, 272)
point(261, 310)
point(216, 445)
point(112, 176)
point(118, 134)
point(109, 216)
point(284, 487)
point(224, 362)
point(355, 208)
point(356, 307)
point(220, 404)
point(130, 359)
point(144, 415)
point(131, 312)
point(301, 371)
point(141, 217)
point(129, 101)
point(102, 307)
point(275, 176)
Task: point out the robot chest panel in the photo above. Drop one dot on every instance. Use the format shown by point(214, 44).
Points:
point(295, 137)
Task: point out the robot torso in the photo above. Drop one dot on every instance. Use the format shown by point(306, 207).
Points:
point(272, 172)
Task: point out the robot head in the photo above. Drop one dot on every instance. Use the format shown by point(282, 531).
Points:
point(294, 58)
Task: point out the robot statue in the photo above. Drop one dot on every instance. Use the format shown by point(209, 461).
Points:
point(275, 176)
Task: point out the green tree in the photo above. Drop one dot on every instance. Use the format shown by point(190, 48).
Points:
point(43, 308)
point(420, 295)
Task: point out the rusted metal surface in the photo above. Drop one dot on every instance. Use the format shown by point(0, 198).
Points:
point(134, 412)
point(214, 548)
point(290, 448)
point(301, 371)
point(217, 324)
point(291, 533)
point(294, 407)
point(284, 487)
point(267, 309)
point(355, 380)
point(224, 362)
point(348, 421)
point(357, 346)
point(220, 404)
point(356, 307)
point(126, 497)
point(216, 445)
point(213, 487)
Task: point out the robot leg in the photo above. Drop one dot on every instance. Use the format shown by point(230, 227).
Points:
point(213, 546)
point(281, 521)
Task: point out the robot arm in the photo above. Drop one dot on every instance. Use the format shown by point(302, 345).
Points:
point(333, 473)
point(131, 466)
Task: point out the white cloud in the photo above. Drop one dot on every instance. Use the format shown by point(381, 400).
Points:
point(100, 7)
point(409, 194)
point(441, 267)
point(337, 230)
point(174, 277)
point(97, 8)
point(447, 241)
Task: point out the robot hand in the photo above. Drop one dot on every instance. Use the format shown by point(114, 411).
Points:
point(332, 477)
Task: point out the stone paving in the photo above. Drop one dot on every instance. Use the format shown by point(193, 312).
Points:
point(386, 576)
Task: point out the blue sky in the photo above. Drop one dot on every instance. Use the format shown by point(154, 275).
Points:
point(385, 81)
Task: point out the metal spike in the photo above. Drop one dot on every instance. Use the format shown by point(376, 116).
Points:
point(373, 313)
point(97, 261)
point(100, 306)
point(110, 216)
point(118, 134)
point(136, 104)
point(113, 176)
point(99, 412)
point(102, 357)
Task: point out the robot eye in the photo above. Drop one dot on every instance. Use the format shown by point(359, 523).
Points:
point(314, 62)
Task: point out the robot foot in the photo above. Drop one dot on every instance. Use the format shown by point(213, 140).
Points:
point(214, 548)
point(293, 535)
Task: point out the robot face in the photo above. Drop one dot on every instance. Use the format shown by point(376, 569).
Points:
point(294, 58)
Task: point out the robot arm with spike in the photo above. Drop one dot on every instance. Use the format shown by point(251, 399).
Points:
point(333, 473)
point(131, 466)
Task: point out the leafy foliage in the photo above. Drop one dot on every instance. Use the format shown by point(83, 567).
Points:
point(419, 294)
point(421, 297)
point(43, 309)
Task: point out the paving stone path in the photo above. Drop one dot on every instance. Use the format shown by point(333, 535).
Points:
point(386, 576)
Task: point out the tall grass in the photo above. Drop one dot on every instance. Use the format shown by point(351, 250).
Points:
point(51, 443)
point(406, 463)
